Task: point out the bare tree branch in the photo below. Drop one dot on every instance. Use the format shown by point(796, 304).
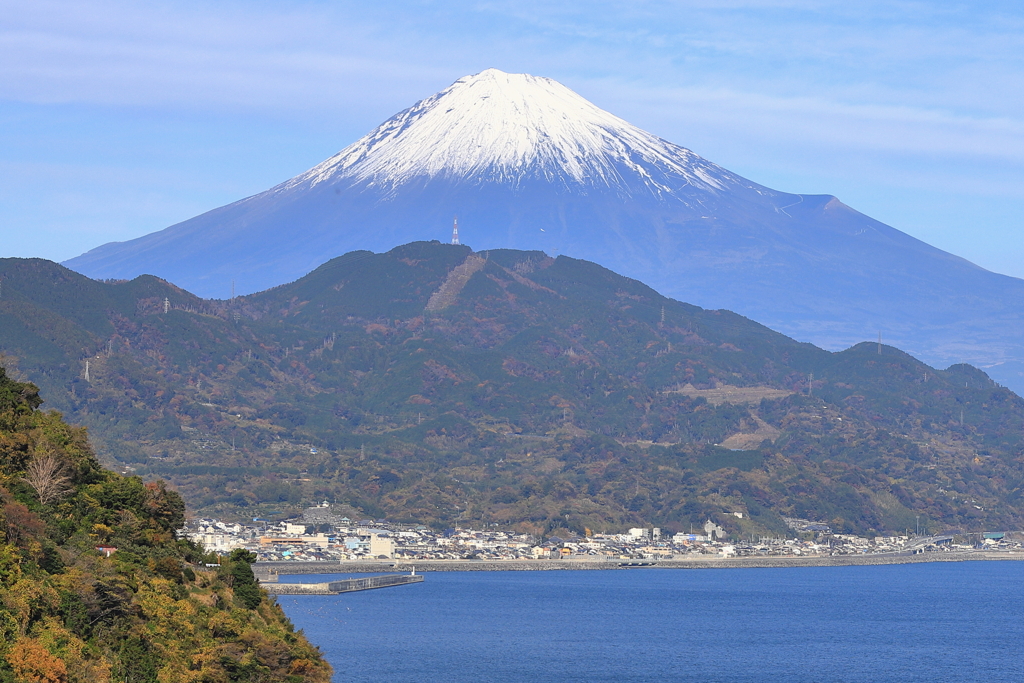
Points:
point(48, 477)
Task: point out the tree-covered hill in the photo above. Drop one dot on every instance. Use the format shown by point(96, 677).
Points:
point(95, 587)
point(436, 384)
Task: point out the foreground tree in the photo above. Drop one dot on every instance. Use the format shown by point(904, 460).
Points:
point(148, 611)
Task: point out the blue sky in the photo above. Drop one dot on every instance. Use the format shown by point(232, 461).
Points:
point(120, 118)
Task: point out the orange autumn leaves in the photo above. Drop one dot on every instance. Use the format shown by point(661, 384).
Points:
point(32, 663)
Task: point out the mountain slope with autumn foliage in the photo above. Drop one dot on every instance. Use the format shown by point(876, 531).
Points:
point(95, 587)
point(438, 385)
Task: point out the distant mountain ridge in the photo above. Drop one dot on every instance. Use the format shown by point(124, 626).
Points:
point(526, 163)
point(439, 385)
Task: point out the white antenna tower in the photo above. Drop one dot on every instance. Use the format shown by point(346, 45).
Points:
point(455, 232)
point(167, 304)
point(87, 371)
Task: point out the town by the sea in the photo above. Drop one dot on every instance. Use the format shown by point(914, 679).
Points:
point(939, 621)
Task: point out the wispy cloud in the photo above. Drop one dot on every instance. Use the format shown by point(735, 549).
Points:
point(297, 55)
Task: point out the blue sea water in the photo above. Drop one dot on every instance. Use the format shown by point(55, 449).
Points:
point(922, 622)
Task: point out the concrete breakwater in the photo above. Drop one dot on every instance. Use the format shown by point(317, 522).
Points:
point(335, 587)
point(703, 562)
point(298, 588)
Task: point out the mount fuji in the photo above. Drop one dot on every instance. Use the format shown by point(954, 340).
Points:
point(526, 163)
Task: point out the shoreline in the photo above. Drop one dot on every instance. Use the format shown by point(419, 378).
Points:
point(602, 564)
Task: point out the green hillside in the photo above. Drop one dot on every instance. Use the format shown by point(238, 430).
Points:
point(438, 385)
point(95, 587)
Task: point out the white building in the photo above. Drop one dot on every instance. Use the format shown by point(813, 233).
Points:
point(218, 542)
point(382, 545)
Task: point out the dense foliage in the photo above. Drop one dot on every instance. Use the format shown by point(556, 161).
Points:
point(433, 384)
point(95, 587)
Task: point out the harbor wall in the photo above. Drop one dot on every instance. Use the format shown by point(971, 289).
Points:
point(271, 584)
point(703, 562)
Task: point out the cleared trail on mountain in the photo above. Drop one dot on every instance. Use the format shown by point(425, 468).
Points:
point(449, 291)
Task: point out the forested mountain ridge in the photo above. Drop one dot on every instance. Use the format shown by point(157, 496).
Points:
point(95, 587)
point(435, 384)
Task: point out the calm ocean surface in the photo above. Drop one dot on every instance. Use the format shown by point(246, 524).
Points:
point(923, 622)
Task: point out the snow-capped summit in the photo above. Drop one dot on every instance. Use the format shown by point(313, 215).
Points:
point(526, 163)
point(506, 128)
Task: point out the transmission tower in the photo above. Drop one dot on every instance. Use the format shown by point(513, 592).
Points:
point(455, 232)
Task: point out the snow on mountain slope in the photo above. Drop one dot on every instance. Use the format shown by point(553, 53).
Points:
point(505, 128)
